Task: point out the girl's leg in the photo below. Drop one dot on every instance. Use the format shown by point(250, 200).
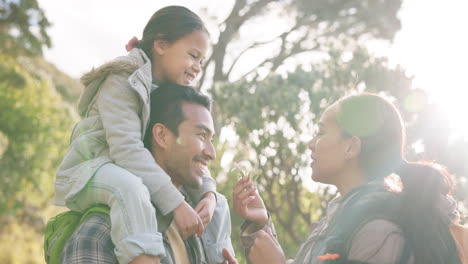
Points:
point(133, 217)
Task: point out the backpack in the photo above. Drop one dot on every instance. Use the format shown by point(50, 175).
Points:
point(60, 227)
point(460, 235)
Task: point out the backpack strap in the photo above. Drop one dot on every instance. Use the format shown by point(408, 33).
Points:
point(58, 229)
point(97, 209)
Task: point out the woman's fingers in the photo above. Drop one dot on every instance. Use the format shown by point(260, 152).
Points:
point(242, 184)
point(247, 200)
point(249, 192)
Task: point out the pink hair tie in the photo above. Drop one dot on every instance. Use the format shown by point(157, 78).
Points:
point(131, 44)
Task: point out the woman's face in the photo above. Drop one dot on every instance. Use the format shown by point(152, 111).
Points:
point(328, 147)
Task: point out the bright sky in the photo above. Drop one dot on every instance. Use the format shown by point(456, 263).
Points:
point(431, 44)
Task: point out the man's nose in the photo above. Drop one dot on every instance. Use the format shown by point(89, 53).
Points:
point(209, 151)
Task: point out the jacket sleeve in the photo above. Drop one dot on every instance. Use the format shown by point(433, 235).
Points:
point(217, 233)
point(208, 185)
point(120, 110)
point(248, 234)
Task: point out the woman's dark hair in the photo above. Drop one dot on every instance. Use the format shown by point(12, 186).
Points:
point(378, 124)
point(169, 23)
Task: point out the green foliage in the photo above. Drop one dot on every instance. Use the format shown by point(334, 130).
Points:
point(306, 26)
point(37, 124)
point(66, 86)
point(21, 244)
point(23, 26)
point(354, 18)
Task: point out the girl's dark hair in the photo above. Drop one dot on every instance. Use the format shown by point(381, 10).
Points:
point(378, 124)
point(169, 23)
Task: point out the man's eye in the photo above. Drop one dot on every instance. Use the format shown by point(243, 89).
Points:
point(202, 135)
point(192, 55)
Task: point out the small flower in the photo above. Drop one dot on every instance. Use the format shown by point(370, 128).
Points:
point(329, 256)
point(244, 171)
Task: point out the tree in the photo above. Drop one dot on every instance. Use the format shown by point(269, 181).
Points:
point(308, 25)
point(36, 124)
point(23, 28)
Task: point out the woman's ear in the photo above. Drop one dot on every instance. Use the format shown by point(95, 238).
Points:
point(354, 148)
point(160, 46)
point(160, 135)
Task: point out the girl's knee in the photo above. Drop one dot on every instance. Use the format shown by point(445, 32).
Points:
point(132, 188)
point(123, 184)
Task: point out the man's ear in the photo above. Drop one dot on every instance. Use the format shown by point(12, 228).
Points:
point(354, 148)
point(160, 46)
point(160, 135)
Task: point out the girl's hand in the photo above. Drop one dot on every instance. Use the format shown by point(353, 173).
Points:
point(206, 207)
point(188, 221)
point(266, 250)
point(247, 202)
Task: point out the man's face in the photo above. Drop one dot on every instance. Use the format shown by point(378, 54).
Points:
point(188, 155)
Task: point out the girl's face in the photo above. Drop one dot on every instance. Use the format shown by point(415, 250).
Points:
point(328, 147)
point(180, 61)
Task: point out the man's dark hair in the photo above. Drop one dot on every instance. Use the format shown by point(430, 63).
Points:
point(166, 107)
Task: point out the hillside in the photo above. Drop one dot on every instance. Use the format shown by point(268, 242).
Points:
point(69, 88)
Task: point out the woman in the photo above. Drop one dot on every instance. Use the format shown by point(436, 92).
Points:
point(361, 140)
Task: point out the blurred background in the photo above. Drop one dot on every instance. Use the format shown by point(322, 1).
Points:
point(272, 69)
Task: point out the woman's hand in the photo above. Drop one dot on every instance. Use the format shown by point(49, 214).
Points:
point(266, 249)
point(247, 202)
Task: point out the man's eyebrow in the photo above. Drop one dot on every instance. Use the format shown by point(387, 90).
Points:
point(201, 126)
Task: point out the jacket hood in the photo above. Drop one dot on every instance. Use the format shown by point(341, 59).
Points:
point(93, 79)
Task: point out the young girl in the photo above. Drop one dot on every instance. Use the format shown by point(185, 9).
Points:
point(361, 141)
point(107, 162)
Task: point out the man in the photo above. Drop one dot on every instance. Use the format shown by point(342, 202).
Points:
point(179, 136)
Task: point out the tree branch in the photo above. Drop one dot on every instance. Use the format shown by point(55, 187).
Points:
point(256, 44)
